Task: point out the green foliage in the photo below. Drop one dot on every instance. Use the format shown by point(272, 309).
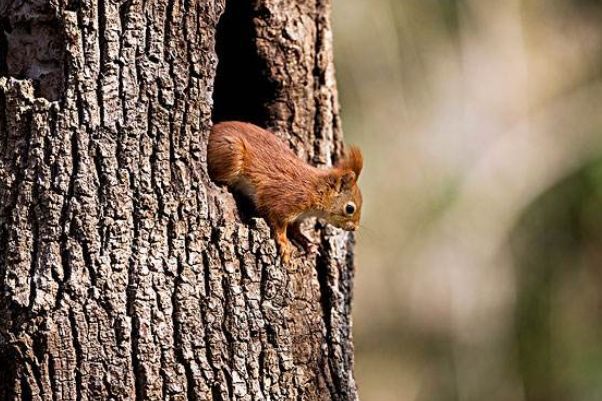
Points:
point(558, 248)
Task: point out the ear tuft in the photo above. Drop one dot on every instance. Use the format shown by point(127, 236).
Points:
point(353, 160)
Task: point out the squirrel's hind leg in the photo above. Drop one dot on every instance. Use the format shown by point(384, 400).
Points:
point(225, 157)
point(284, 246)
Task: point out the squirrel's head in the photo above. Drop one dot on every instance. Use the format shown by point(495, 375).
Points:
point(346, 199)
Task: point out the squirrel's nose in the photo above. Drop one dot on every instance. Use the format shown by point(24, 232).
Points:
point(350, 226)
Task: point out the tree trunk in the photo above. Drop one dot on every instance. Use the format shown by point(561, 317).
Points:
point(125, 273)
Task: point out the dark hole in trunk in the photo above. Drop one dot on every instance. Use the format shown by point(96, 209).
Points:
point(242, 86)
point(4, 30)
point(33, 47)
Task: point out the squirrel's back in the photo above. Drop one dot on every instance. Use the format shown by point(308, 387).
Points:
point(239, 150)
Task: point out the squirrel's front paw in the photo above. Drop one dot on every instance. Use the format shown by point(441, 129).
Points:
point(305, 244)
point(312, 248)
point(302, 242)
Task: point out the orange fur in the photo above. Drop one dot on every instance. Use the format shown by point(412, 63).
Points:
point(284, 189)
point(353, 160)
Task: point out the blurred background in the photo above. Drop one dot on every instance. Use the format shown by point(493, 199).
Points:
point(480, 260)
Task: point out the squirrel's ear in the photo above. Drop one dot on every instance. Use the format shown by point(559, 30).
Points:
point(353, 161)
point(334, 181)
point(341, 181)
point(347, 180)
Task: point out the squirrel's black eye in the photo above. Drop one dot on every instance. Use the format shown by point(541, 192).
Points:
point(350, 208)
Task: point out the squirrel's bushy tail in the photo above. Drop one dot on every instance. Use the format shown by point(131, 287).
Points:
point(225, 154)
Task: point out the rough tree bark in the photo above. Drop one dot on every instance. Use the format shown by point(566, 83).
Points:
point(125, 274)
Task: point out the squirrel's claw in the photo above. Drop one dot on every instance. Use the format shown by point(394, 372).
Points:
point(309, 247)
point(313, 249)
point(303, 242)
point(285, 254)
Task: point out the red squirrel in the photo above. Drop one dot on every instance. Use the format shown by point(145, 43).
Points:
point(284, 189)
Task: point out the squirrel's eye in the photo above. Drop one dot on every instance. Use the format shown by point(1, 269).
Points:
point(349, 208)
